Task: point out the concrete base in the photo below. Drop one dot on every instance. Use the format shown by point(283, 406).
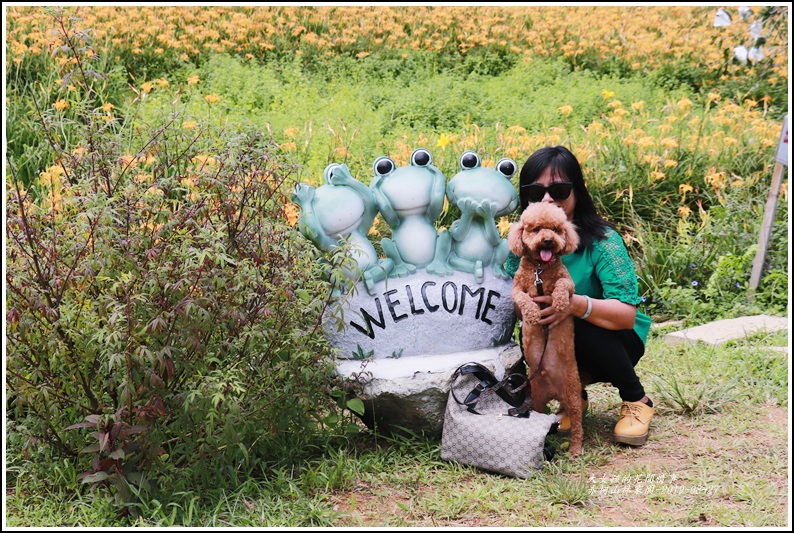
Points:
point(721, 331)
point(412, 392)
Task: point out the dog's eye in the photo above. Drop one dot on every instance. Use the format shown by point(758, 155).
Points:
point(535, 230)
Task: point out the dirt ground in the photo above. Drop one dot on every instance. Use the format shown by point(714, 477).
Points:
point(684, 451)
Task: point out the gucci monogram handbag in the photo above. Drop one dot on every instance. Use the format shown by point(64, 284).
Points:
point(488, 423)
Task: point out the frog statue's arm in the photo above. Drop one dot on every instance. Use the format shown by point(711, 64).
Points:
point(488, 211)
point(383, 203)
point(308, 224)
point(339, 175)
point(437, 194)
point(460, 228)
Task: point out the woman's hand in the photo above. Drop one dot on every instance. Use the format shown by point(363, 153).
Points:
point(609, 314)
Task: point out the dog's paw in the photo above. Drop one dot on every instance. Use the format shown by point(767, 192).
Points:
point(561, 305)
point(561, 300)
point(531, 314)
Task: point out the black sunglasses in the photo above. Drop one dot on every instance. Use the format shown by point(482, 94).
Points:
point(558, 191)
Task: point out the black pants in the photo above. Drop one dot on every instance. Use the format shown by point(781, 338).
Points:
point(610, 356)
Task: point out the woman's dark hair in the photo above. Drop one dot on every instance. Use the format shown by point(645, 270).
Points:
point(565, 167)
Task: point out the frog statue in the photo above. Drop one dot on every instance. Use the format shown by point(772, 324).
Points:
point(410, 199)
point(342, 209)
point(473, 241)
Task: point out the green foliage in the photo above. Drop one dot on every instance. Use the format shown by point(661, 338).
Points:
point(34, 88)
point(562, 490)
point(152, 278)
point(700, 270)
point(708, 379)
point(352, 111)
point(693, 398)
point(756, 79)
point(360, 354)
point(679, 74)
point(593, 60)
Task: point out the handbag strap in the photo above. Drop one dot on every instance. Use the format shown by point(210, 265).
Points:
point(514, 395)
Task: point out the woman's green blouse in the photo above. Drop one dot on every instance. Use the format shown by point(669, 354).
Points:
point(604, 271)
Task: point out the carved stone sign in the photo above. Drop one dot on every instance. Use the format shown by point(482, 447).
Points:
point(435, 293)
point(423, 314)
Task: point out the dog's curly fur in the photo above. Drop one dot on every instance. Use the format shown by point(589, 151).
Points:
point(544, 226)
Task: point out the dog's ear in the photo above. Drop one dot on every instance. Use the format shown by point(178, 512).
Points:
point(571, 238)
point(514, 239)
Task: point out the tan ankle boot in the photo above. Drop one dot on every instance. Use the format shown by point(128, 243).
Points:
point(635, 419)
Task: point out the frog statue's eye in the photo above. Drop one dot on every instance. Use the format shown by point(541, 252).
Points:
point(507, 167)
point(329, 171)
point(469, 160)
point(421, 158)
point(383, 165)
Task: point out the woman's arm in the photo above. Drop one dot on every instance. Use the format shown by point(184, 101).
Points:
point(609, 314)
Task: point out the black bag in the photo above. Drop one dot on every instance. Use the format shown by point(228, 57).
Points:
point(493, 427)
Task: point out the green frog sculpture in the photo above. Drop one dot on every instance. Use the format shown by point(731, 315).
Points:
point(343, 209)
point(410, 199)
point(423, 314)
point(473, 241)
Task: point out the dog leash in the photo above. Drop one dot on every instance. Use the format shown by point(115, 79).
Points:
point(488, 386)
point(539, 287)
point(524, 409)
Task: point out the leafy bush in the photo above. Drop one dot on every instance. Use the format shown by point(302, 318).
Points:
point(159, 298)
point(699, 270)
point(681, 73)
point(765, 34)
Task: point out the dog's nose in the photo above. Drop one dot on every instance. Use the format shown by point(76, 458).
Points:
point(548, 242)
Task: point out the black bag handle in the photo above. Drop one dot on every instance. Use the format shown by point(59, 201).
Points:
point(514, 395)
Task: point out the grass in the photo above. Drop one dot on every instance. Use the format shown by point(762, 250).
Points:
point(717, 456)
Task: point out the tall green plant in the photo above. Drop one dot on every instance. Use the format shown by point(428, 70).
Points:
point(699, 268)
point(159, 298)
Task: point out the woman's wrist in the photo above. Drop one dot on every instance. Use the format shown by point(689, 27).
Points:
point(585, 308)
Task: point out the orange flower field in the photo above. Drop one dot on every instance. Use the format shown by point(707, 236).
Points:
point(644, 36)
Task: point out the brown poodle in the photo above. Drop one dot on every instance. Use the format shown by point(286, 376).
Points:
point(540, 238)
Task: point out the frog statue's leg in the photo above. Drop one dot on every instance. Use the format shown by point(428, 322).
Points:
point(400, 268)
point(488, 210)
point(499, 258)
point(464, 265)
point(376, 273)
point(440, 266)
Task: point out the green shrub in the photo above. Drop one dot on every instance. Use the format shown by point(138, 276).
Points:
point(679, 74)
point(164, 317)
point(699, 270)
point(593, 60)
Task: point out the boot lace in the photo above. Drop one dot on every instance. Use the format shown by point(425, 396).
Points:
point(632, 410)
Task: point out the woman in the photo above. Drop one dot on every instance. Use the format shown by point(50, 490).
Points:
point(609, 331)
